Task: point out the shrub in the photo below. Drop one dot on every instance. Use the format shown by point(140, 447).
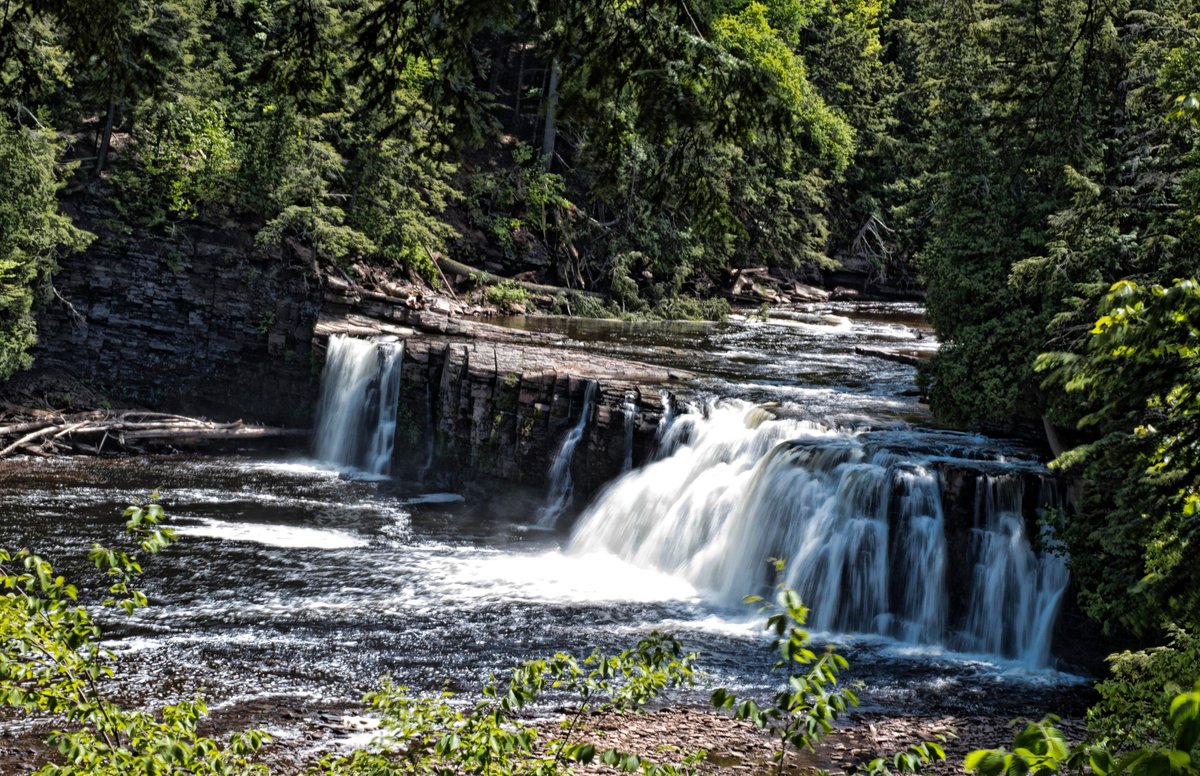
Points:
point(803, 712)
point(51, 660)
point(505, 294)
point(423, 734)
point(1041, 749)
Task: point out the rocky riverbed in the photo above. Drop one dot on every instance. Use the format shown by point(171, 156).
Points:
point(304, 732)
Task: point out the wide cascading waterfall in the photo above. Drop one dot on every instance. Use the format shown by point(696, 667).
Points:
point(1014, 593)
point(860, 524)
point(360, 395)
point(561, 483)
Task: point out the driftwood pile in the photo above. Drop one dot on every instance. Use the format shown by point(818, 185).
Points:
point(104, 431)
point(755, 285)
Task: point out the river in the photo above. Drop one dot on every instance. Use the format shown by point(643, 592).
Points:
point(293, 581)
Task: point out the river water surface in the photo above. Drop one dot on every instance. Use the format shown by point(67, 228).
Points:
point(294, 581)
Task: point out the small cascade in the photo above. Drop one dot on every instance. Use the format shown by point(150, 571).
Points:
point(561, 484)
point(629, 409)
point(1053, 578)
point(430, 432)
point(1014, 593)
point(860, 524)
point(920, 562)
point(665, 443)
point(360, 396)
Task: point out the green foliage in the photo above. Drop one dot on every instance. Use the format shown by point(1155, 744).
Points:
point(33, 233)
point(910, 760)
point(694, 135)
point(505, 294)
point(997, 80)
point(581, 306)
point(517, 200)
point(1041, 749)
point(695, 138)
point(803, 712)
point(1133, 698)
point(434, 734)
point(1137, 383)
point(185, 157)
point(52, 662)
point(686, 308)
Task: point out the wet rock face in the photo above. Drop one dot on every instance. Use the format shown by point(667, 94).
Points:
point(201, 323)
point(192, 324)
point(491, 416)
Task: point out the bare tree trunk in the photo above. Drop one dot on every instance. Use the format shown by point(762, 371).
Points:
point(549, 133)
point(1053, 438)
point(106, 138)
point(520, 87)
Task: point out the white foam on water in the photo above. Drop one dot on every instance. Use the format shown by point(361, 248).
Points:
point(555, 577)
point(274, 535)
point(861, 527)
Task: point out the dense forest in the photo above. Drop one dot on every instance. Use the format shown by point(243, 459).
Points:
point(1035, 164)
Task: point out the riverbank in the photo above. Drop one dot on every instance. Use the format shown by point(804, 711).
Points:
point(668, 734)
point(302, 733)
point(297, 579)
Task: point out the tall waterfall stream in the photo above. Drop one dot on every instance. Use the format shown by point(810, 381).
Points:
point(356, 415)
point(295, 580)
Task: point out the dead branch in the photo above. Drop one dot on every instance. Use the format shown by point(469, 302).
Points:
point(125, 428)
point(488, 279)
point(31, 436)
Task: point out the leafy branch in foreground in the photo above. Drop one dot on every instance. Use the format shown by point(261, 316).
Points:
point(802, 714)
point(52, 662)
point(1138, 384)
point(436, 734)
point(1041, 749)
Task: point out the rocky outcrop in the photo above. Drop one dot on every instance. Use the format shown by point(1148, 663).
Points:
point(485, 409)
point(204, 323)
point(198, 323)
point(485, 414)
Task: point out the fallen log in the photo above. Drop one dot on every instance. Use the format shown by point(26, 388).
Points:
point(34, 425)
point(22, 428)
point(69, 429)
point(219, 433)
point(890, 355)
point(488, 279)
point(31, 436)
point(125, 428)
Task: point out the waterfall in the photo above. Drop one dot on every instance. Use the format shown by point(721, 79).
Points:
point(665, 442)
point(629, 409)
point(561, 484)
point(859, 521)
point(360, 396)
point(920, 562)
point(430, 431)
point(1014, 594)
